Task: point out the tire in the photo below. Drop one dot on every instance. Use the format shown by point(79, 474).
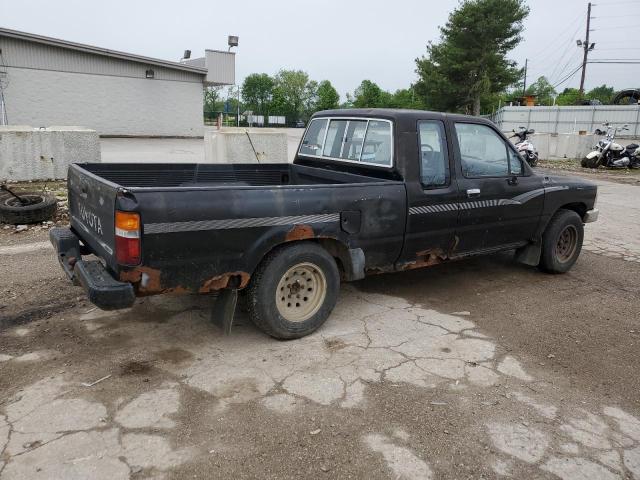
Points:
point(561, 242)
point(43, 207)
point(282, 309)
point(590, 162)
point(532, 159)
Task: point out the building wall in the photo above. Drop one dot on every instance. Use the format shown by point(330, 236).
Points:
point(52, 85)
point(111, 105)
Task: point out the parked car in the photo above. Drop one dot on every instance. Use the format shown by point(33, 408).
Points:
point(370, 191)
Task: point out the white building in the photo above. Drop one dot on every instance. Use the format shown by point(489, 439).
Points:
point(46, 81)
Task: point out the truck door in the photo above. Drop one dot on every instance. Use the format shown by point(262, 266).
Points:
point(432, 196)
point(500, 199)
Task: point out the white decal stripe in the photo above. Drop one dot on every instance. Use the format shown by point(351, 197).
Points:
point(232, 223)
point(449, 207)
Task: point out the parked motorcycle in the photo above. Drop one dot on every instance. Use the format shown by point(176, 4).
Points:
point(525, 147)
point(611, 154)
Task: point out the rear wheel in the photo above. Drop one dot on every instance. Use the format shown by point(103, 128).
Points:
point(293, 291)
point(562, 242)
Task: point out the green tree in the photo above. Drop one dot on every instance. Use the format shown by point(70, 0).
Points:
point(470, 62)
point(292, 92)
point(569, 96)
point(213, 99)
point(602, 93)
point(405, 98)
point(310, 100)
point(257, 92)
point(328, 97)
point(543, 90)
point(368, 95)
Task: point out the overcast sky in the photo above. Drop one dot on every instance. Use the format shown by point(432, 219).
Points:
point(344, 41)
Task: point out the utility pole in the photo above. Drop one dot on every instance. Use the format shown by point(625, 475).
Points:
point(587, 49)
point(524, 85)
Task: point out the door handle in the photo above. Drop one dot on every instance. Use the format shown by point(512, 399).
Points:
point(473, 192)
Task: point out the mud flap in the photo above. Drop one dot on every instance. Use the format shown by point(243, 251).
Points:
point(529, 254)
point(224, 308)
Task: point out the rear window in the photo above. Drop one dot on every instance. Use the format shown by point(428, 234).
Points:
point(352, 139)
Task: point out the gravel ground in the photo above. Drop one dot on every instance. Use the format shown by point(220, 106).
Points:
point(477, 369)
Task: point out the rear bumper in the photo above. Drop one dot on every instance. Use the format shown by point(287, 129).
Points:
point(101, 288)
point(591, 216)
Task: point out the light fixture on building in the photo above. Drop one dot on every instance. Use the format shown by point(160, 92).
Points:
point(149, 74)
point(232, 41)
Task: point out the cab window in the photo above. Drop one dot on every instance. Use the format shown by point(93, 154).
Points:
point(483, 153)
point(434, 164)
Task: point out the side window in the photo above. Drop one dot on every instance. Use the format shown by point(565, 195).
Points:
point(313, 138)
point(377, 143)
point(483, 153)
point(515, 163)
point(434, 162)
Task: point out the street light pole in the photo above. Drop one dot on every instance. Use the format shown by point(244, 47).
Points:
point(232, 41)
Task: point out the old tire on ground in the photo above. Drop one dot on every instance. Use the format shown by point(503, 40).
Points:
point(293, 291)
point(41, 207)
point(561, 242)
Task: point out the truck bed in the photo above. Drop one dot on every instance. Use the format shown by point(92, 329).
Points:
point(198, 221)
point(155, 176)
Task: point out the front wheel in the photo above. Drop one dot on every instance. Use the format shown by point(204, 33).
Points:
point(562, 242)
point(293, 291)
point(532, 159)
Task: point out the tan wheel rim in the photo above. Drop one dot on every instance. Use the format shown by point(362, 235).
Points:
point(301, 292)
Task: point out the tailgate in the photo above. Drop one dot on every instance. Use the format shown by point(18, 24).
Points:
point(92, 202)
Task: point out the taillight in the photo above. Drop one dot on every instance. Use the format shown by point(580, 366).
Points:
point(127, 238)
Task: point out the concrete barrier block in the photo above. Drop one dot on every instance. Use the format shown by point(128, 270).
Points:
point(234, 146)
point(28, 153)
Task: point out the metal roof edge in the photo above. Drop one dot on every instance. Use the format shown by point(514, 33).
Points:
point(56, 42)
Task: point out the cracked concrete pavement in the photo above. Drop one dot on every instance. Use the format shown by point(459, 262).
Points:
point(479, 369)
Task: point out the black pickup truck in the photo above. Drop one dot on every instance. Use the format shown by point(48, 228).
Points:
point(370, 191)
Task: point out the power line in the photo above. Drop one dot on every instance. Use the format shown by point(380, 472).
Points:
point(625, 2)
point(561, 35)
point(632, 14)
point(559, 61)
point(614, 26)
point(576, 70)
point(572, 58)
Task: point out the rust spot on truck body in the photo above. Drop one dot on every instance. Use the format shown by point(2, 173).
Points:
point(426, 258)
point(146, 278)
point(299, 232)
point(148, 281)
point(231, 279)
